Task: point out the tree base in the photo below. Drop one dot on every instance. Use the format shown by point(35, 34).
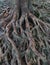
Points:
point(23, 40)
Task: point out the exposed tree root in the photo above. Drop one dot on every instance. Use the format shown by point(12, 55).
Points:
point(23, 35)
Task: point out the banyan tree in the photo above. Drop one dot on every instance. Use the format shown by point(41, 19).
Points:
point(24, 37)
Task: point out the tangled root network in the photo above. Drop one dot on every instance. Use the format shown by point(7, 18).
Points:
point(24, 40)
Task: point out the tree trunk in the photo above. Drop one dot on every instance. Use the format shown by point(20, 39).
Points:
point(21, 35)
